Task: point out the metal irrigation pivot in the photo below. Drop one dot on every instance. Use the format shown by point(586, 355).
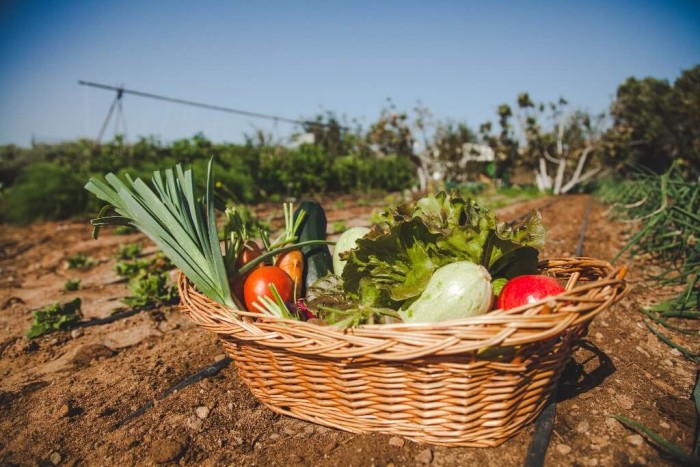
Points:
point(120, 90)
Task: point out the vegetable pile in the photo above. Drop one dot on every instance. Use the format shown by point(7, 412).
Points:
point(439, 258)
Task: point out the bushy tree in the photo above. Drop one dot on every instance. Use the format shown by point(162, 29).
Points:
point(656, 123)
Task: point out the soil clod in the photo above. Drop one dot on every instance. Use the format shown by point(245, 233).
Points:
point(166, 450)
point(202, 412)
point(396, 441)
point(425, 456)
point(563, 449)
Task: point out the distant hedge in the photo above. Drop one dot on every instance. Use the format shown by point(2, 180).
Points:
point(46, 182)
point(44, 191)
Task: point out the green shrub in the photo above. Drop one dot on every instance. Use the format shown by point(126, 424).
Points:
point(356, 173)
point(44, 192)
point(300, 172)
point(391, 173)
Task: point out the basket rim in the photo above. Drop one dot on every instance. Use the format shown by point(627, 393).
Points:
point(601, 285)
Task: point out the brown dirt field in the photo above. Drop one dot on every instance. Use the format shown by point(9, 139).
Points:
point(61, 395)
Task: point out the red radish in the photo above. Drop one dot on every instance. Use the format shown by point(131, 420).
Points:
point(523, 290)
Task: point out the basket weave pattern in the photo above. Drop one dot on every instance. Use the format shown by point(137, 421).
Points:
point(469, 382)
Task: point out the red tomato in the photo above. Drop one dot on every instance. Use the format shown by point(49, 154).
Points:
point(258, 284)
point(527, 289)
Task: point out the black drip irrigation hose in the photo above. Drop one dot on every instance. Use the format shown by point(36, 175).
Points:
point(544, 424)
point(206, 372)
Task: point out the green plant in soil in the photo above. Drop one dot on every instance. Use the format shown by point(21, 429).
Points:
point(664, 212)
point(132, 268)
point(137, 267)
point(123, 230)
point(339, 226)
point(56, 317)
point(129, 251)
point(151, 289)
point(80, 261)
point(71, 285)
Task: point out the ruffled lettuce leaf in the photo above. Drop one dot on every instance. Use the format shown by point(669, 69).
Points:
point(393, 266)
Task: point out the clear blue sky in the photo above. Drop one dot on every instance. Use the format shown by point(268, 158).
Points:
point(295, 59)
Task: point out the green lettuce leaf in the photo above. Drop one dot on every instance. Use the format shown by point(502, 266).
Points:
point(394, 266)
point(397, 265)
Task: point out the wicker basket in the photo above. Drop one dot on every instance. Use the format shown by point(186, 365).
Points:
point(470, 382)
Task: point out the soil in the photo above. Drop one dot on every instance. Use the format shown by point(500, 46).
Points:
point(62, 395)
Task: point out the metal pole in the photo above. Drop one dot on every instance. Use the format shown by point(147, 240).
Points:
point(206, 106)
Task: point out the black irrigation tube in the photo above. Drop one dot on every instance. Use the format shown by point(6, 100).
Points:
point(544, 424)
point(206, 372)
point(120, 315)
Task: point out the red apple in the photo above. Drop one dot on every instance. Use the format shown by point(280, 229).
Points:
point(523, 290)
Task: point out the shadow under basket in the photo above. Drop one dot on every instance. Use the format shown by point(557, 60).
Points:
point(469, 382)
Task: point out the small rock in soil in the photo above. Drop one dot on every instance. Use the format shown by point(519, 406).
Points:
point(396, 441)
point(635, 440)
point(425, 456)
point(582, 427)
point(195, 423)
point(238, 441)
point(89, 352)
point(626, 402)
point(202, 412)
point(166, 450)
point(55, 458)
point(567, 420)
point(611, 422)
point(665, 425)
point(75, 333)
point(64, 411)
point(563, 449)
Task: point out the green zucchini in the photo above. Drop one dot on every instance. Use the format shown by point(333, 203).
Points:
point(318, 260)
